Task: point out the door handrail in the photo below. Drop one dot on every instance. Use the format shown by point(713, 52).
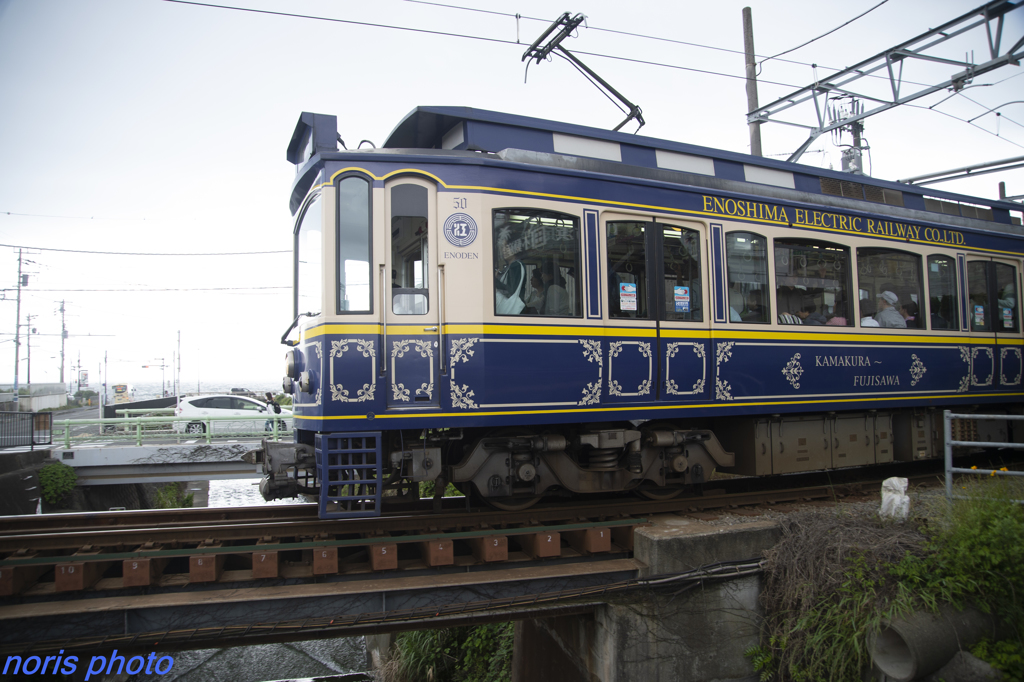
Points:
point(440, 315)
point(384, 324)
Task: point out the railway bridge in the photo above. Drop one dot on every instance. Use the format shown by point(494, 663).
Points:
point(598, 592)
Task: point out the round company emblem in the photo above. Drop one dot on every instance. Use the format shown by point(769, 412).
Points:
point(460, 229)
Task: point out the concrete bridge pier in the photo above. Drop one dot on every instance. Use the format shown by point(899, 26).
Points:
point(686, 632)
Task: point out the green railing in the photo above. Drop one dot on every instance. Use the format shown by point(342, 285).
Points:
point(136, 428)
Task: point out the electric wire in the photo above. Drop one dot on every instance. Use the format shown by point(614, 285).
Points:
point(127, 253)
point(793, 49)
point(146, 291)
point(352, 22)
point(509, 42)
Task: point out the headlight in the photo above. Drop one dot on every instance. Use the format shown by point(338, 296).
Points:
point(291, 366)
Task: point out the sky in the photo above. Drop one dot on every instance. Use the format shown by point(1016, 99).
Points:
point(133, 127)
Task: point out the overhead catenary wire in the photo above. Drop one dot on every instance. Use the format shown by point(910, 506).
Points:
point(196, 3)
point(130, 253)
point(827, 33)
point(146, 291)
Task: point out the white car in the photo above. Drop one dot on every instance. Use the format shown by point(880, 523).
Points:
point(203, 406)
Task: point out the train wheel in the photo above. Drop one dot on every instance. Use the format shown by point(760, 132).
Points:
point(659, 494)
point(512, 503)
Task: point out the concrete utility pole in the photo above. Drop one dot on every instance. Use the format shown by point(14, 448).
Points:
point(28, 379)
point(748, 48)
point(17, 336)
point(63, 335)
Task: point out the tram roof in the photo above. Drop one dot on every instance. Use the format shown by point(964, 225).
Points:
point(466, 128)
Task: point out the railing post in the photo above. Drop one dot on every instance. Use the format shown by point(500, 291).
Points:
point(209, 431)
point(67, 434)
point(947, 433)
point(138, 431)
point(274, 432)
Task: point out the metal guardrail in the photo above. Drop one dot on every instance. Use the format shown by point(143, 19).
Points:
point(136, 428)
point(947, 427)
point(18, 429)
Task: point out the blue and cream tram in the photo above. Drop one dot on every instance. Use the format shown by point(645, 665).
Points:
point(523, 307)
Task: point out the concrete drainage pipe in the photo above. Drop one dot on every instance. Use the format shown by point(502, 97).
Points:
point(919, 644)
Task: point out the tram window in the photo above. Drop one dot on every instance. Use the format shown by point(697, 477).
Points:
point(890, 289)
point(1006, 298)
point(410, 288)
point(353, 255)
point(977, 292)
point(812, 283)
point(993, 297)
point(942, 298)
point(747, 267)
point(682, 274)
point(627, 269)
point(536, 263)
point(308, 261)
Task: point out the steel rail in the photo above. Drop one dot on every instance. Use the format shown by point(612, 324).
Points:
point(75, 538)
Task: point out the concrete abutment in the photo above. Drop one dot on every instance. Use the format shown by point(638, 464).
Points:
point(686, 632)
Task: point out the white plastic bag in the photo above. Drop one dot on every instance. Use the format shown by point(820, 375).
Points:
point(895, 503)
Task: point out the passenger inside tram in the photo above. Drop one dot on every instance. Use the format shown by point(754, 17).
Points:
point(754, 311)
point(888, 314)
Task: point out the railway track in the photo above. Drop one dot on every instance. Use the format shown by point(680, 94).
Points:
point(55, 556)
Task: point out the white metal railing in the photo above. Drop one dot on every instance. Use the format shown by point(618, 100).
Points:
point(947, 427)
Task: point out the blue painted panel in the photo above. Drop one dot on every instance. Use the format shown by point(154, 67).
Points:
point(730, 170)
point(638, 156)
point(412, 370)
point(632, 368)
point(807, 183)
point(685, 366)
point(351, 374)
point(753, 370)
point(312, 361)
point(914, 201)
point(498, 372)
point(983, 368)
point(1011, 367)
point(592, 245)
point(494, 138)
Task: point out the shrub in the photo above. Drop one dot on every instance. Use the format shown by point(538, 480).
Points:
point(56, 481)
point(832, 580)
point(171, 496)
point(465, 654)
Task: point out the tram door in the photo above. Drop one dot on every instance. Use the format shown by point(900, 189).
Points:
point(683, 312)
point(993, 316)
point(656, 281)
point(409, 282)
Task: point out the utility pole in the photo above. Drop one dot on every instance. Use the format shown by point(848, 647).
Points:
point(63, 335)
point(162, 366)
point(17, 335)
point(28, 379)
point(751, 59)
